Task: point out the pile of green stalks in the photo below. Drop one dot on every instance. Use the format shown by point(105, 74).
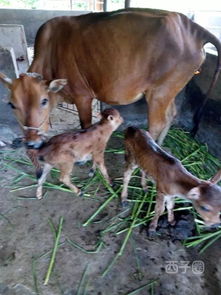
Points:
point(194, 156)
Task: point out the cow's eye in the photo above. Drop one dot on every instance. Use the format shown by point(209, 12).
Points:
point(44, 102)
point(205, 208)
point(11, 105)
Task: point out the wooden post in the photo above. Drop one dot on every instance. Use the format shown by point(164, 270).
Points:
point(105, 5)
point(127, 3)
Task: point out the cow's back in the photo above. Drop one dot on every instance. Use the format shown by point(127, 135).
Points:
point(114, 56)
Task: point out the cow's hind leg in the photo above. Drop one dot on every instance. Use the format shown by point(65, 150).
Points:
point(170, 115)
point(161, 105)
point(161, 112)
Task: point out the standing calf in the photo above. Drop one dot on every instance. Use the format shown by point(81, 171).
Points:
point(65, 149)
point(171, 178)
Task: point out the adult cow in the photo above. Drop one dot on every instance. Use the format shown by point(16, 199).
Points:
point(114, 57)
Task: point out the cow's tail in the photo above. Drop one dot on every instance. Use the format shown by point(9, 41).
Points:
point(208, 38)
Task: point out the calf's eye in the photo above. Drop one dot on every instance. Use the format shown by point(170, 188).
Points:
point(11, 105)
point(205, 208)
point(44, 102)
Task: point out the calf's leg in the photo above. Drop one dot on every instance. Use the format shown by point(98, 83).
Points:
point(159, 209)
point(92, 170)
point(170, 206)
point(98, 160)
point(46, 169)
point(33, 156)
point(66, 169)
point(144, 181)
point(127, 175)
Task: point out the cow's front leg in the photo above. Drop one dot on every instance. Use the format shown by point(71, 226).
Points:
point(84, 107)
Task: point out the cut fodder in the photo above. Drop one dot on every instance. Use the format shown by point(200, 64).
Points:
point(194, 156)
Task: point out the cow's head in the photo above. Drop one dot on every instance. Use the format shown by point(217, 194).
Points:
point(206, 199)
point(32, 99)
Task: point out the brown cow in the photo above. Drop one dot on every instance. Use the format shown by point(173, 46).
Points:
point(171, 178)
point(65, 149)
point(115, 57)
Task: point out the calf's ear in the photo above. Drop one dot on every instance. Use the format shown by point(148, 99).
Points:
point(216, 178)
point(57, 85)
point(194, 194)
point(7, 81)
point(110, 117)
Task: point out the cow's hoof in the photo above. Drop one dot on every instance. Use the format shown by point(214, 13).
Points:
point(39, 197)
point(145, 190)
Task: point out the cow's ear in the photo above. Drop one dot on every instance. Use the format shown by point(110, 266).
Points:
point(57, 85)
point(194, 194)
point(7, 81)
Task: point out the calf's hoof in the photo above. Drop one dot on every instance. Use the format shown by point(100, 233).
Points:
point(80, 193)
point(80, 163)
point(39, 196)
point(125, 204)
point(173, 222)
point(113, 184)
point(152, 233)
point(91, 172)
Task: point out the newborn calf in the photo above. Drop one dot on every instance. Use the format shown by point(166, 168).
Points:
point(171, 178)
point(65, 149)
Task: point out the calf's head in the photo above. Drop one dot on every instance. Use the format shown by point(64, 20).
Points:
point(112, 117)
point(32, 100)
point(206, 199)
